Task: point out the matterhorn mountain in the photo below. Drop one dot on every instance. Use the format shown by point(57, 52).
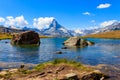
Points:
point(56, 30)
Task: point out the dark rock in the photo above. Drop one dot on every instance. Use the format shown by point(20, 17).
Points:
point(95, 76)
point(58, 52)
point(50, 71)
point(6, 42)
point(76, 41)
point(22, 66)
point(64, 47)
point(28, 37)
point(42, 73)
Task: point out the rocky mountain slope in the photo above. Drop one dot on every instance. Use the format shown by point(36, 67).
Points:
point(4, 29)
point(56, 30)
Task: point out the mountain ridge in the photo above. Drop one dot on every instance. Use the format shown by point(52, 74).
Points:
point(57, 30)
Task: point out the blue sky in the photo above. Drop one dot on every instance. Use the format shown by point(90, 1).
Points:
point(72, 14)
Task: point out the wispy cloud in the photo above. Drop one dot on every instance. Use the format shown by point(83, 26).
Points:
point(42, 22)
point(101, 6)
point(86, 13)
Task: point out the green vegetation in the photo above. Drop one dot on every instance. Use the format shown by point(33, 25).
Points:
point(61, 62)
point(107, 35)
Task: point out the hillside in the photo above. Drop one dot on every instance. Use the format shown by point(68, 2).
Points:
point(110, 34)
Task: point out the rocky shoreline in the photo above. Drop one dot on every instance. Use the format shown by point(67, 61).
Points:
point(61, 71)
point(12, 65)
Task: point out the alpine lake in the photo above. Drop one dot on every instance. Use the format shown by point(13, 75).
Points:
point(105, 51)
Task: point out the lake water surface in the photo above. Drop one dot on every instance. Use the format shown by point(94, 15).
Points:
point(105, 51)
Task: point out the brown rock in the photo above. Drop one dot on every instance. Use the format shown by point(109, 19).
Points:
point(28, 37)
point(76, 41)
point(90, 43)
point(71, 76)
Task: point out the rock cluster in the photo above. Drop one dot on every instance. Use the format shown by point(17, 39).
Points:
point(53, 72)
point(27, 37)
point(76, 41)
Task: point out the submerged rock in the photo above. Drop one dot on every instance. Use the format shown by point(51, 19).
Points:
point(58, 52)
point(76, 41)
point(6, 42)
point(64, 47)
point(28, 37)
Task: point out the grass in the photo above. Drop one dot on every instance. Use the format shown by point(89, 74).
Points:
point(45, 36)
point(106, 35)
point(5, 36)
point(9, 36)
point(61, 62)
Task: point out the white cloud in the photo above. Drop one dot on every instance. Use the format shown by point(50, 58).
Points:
point(101, 6)
point(17, 21)
point(2, 19)
point(20, 21)
point(42, 23)
point(107, 23)
point(86, 13)
point(10, 21)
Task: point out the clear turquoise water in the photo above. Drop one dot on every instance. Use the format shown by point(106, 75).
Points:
point(105, 51)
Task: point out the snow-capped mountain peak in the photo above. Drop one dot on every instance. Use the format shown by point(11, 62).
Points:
point(56, 30)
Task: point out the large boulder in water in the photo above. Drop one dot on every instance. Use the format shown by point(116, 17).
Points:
point(77, 41)
point(27, 37)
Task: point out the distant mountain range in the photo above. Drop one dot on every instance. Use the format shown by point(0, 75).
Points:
point(56, 30)
point(4, 29)
point(112, 27)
